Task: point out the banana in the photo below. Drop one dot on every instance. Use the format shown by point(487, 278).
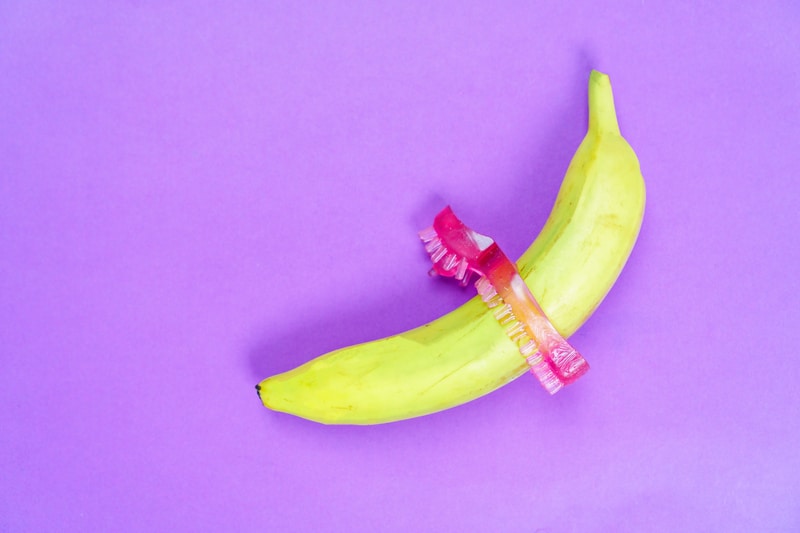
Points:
point(569, 268)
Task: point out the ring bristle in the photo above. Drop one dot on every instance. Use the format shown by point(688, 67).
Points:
point(428, 234)
point(461, 271)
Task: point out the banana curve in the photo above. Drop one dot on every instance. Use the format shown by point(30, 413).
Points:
point(570, 267)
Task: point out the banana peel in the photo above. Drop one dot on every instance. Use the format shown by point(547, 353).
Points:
point(465, 354)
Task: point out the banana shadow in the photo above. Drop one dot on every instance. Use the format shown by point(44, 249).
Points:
point(514, 215)
point(386, 315)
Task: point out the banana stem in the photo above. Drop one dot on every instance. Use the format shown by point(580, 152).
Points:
point(602, 114)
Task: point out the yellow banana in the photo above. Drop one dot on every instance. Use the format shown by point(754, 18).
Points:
point(570, 267)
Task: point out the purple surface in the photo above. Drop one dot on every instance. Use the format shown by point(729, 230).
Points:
point(194, 196)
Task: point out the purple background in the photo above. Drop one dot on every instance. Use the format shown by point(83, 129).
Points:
point(196, 195)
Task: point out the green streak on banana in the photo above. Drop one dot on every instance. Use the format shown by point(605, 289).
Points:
point(570, 267)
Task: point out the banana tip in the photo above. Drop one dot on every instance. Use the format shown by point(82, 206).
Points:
point(264, 395)
point(602, 113)
point(600, 80)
